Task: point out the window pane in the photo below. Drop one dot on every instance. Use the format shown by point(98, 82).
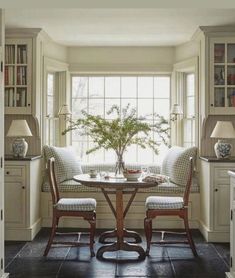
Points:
point(145, 156)
point(50, 84)
point(145, 87)
point(126, 101)
point(109, 102)
point(96, 107)
point(50, 106)
point(78, 105)
point(81, 148)
point(162, 107)
point(105, 91)
point(96, 87)
point(190, 106)
point(130, 155)
point(128, 88)
point(112, 87)
point(79, 86)
point(145, 108)
point(162, 87)
point(190, 84)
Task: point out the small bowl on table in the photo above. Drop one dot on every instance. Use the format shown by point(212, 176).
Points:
point(132, 174)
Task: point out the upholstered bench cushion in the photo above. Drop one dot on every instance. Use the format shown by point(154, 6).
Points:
point(73, 186)
point(76, 204)
point(161, 202)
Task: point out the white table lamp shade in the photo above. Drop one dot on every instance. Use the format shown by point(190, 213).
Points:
point(223, 129)
point(64, 110)
point(176, 109)
point(19, 128)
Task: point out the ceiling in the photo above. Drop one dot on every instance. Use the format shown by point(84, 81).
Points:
point(119, 27)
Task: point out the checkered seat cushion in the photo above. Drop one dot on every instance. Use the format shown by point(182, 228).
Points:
point(76, 204)
point(161, 202)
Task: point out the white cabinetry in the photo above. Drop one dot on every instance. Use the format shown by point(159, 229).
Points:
point(18, 77)
point(214, 190)
point(23, 71)
point(222, 76)
point(231, 274)
point(22, 194)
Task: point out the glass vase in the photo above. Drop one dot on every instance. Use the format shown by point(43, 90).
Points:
point(120, 166)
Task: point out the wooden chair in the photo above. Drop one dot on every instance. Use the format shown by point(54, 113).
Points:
point(168, 206)
point(79, 207)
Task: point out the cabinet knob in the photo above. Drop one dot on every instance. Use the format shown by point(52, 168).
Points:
point(212, 104)
point(216, 189)
point(23, 187)
point(7, 172)
point(28, 104)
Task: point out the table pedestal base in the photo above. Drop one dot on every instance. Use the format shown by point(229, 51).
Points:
point(126, 233)
point(125, 246)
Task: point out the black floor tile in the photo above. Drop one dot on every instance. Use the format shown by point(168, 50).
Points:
point(12, 248)
point(27, 267)
point(24, 259)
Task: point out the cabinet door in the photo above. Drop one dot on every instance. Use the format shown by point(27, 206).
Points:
point(222, 76)
point(14, 204)
point(18, 76)
point(221, 206)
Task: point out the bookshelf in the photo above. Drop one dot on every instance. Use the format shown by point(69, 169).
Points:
point(17, 72)
point(222, 80)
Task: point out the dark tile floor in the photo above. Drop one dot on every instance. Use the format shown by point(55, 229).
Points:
point(24, 259)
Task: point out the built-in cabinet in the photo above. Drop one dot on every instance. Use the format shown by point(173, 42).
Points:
point(222, 76)
point(215, 197)
point(23, 71)
point(231, 274)
point(18, 78)
point(22, 197)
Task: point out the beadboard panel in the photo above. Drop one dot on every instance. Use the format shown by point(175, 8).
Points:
point(207, 143)
point(34, 142)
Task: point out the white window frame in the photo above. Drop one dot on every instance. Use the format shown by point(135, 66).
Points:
point(60, 70)
point(179, 71)
point(119, 75)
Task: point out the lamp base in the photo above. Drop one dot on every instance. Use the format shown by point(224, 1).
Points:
point(223, 149)
point(19, 147)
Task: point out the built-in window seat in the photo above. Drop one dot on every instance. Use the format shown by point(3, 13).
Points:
point(136, 214)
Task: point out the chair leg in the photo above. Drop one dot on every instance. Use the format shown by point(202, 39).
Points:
point(148, 233)
point(50, 240)
point(92, 235)
point(189, 235)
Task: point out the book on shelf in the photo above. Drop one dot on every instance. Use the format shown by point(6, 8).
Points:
point(9, 97)
point(21, 54)
point(9, 54)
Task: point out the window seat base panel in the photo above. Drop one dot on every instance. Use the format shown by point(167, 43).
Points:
point(105, 218)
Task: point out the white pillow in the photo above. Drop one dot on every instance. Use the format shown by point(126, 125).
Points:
point(66, 162)
point(176, 164)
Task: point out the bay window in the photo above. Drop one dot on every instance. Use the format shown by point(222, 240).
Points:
point(97, 93)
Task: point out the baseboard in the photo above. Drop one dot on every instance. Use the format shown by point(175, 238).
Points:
point(5, 275)
point(23, 234)
point(230, 274)
point(213, 236)
point(129, 223)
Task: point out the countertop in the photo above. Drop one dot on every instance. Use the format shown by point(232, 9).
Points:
point(27, 158)
point(215, 159)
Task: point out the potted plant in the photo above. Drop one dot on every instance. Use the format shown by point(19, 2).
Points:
point(123, 131)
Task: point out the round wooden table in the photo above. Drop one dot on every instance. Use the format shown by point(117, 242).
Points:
point(119, 187)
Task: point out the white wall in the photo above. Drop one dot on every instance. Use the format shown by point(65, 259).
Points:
point(55, 51)
point(121, 59)
point(186, 51)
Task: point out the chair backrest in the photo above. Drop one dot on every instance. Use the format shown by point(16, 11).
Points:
point(189, 182)
point(52, 180)
point(176, 164)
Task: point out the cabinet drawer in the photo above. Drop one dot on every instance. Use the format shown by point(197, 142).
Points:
point(222, 173)
point(13, 172)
